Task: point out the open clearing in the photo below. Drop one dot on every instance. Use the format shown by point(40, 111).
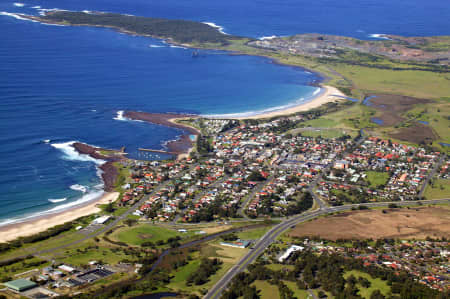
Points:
point(375, 284)
point(141, 233)
point(417, 222)
point(392, 106)
point(439, 189)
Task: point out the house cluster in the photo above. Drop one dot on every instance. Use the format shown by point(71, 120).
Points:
point(405, 167)
point(260, 169)
point(444, 171)
point(215, 126)
point(426, 261)
point(146, 176)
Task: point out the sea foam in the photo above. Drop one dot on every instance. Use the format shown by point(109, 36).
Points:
point(16, 16)
point(379, 35)
point(120, 116)
point(18, 4)
point(57, 200)
point(84, 199)
point(178, 47)
point(268, 37)
point(219, 28)
point(317, 91)
point(78, 187)
point(71, 154)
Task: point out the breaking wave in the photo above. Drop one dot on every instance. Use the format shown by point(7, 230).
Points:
point(78, 187)
point(57, 200)
point(71, 154)
point(219, 28)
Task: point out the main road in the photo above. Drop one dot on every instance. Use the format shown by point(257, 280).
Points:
point(279, 229)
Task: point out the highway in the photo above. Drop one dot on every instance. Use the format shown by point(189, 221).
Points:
point(279, 229)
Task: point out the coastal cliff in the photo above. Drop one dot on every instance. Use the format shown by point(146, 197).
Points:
point(109, 171)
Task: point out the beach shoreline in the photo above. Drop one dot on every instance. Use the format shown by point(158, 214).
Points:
point(326, 95)
point(41, 223)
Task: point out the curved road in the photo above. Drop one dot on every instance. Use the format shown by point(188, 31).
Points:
point(271, 235)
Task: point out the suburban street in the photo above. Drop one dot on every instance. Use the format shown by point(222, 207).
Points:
point(279, 229)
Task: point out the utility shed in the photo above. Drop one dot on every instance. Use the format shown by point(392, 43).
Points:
point(20, 285)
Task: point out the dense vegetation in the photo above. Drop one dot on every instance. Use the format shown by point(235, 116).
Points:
point(207, 268)
point(327, 272)
point(179, 31)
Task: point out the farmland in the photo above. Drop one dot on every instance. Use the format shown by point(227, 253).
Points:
point(402, 223)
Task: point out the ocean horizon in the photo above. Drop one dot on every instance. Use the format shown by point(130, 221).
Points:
point(63, 84)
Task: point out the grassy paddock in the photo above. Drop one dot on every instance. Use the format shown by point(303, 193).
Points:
point(266, 289)
point(439, 189)
point(376, 178)
point(141, 233)
point(375, 284)
point(420, 84)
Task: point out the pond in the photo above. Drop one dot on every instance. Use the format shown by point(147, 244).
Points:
point(376, 120)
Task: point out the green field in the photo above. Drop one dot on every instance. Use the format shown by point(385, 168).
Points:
point(420, 84)
point(439, 189)
point(321, 123)
point(266, 289)
point(180, 276)
point(253, 234)
point(84, 253)
point(376, 179)
point(328, 133)
point(375, 284)
point(436, 114)
point(228, 255)
point(356, 116)
point(138, 234)
point(277, 267)
point(300, 294)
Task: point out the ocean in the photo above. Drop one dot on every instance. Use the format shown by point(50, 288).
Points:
point(64, 84)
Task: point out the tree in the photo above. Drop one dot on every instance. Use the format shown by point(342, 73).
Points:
point(130, 222)
point(377, 295)
point(321, 294)
point(109, 208)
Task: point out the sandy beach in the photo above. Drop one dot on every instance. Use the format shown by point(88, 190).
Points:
point(34, 226)
point(328, 94)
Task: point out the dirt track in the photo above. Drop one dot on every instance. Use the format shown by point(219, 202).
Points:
point(396, 223)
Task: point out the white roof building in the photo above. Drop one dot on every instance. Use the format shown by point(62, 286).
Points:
point(288, 252)
point(101, 220)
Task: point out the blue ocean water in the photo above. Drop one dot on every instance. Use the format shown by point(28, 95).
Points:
point(62, 84)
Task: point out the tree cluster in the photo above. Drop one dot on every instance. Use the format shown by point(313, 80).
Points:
point(207, 268)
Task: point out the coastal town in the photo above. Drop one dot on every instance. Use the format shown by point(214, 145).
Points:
point(343, 193)
point(253, 171)
point(247, 170)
